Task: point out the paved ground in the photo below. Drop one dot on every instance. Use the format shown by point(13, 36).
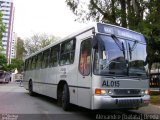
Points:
point(15, 102)
point(151, 109)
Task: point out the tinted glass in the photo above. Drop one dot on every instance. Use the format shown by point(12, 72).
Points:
point(110, 57)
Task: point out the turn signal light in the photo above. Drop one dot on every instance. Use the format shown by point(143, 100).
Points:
point(100, 91)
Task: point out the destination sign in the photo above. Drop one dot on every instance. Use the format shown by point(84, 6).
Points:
point(109, 29)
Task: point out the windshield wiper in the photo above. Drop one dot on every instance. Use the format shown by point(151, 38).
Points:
point(117, 41)
point(122, 48)
point(119, 44)
point(132, 48)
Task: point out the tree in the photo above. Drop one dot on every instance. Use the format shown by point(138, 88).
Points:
point(38, 41)
point(16, 63)
point(125, 13)
point(3, 61)
point(151, 27)
point(95, 10)
point(20, 50)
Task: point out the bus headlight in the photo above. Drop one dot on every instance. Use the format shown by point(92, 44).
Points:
point(145, 92)
point(100, 91)
point(103, 91)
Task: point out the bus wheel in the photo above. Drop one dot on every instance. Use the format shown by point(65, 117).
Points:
point(65, 98)
point(30, 87)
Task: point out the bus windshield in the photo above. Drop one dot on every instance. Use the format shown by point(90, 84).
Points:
point(137, 59)
point(111, 57)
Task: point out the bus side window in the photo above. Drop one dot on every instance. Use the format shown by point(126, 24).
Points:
point(85, 57)
point(33, 66)
point(45, 58)
point(39, 60)
point(26, 65)
point(67, 52)
point(29, 63)
point(54, 56)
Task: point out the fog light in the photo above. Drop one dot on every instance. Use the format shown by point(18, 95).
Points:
point(109, 91)
point(142, 92)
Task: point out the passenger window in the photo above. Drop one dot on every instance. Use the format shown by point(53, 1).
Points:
point(39, 60)
point(26, 65)
point(29, 63)
point(45, 59)
point(85, 57)
point(67, 52)
point(54, 56)
point(33, 65)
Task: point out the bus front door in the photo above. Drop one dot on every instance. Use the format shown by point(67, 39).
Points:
point(84, 74)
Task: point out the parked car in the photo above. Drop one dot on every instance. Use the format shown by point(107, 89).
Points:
point(5, 77)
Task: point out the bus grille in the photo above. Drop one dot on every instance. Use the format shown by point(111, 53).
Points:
point(129, 102)
point(126, 92)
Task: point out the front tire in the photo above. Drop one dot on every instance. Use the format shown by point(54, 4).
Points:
point(65, 98)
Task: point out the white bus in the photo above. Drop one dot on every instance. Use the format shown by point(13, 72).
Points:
point(100, 67)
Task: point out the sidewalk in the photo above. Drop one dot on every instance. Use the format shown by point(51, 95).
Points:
point(150, 109)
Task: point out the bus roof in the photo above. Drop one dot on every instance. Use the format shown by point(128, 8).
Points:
point(100, 28)
point(65, 38)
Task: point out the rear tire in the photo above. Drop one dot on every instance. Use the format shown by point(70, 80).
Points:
point(59, 97)
point(30, 87)
point(65, 98)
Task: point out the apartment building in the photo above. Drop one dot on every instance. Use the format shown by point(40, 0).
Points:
point(7, 8)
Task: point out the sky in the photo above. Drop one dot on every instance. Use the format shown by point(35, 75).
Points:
point(44, 16)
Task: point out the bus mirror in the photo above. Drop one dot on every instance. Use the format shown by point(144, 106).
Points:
point(95, 42)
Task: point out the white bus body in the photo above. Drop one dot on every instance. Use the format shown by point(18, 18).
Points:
point(96, 68)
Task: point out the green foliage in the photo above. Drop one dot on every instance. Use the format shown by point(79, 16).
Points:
point(20, 50)
point(9, 68)
point(15, 64)
point(3, 61)
point(151, 29)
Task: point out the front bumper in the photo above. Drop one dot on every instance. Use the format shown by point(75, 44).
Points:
point(107, 102)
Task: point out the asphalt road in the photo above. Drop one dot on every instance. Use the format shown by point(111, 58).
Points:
point(16, 104)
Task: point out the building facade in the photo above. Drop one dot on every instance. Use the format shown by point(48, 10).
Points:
point(13, 46)
point(7, 9)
